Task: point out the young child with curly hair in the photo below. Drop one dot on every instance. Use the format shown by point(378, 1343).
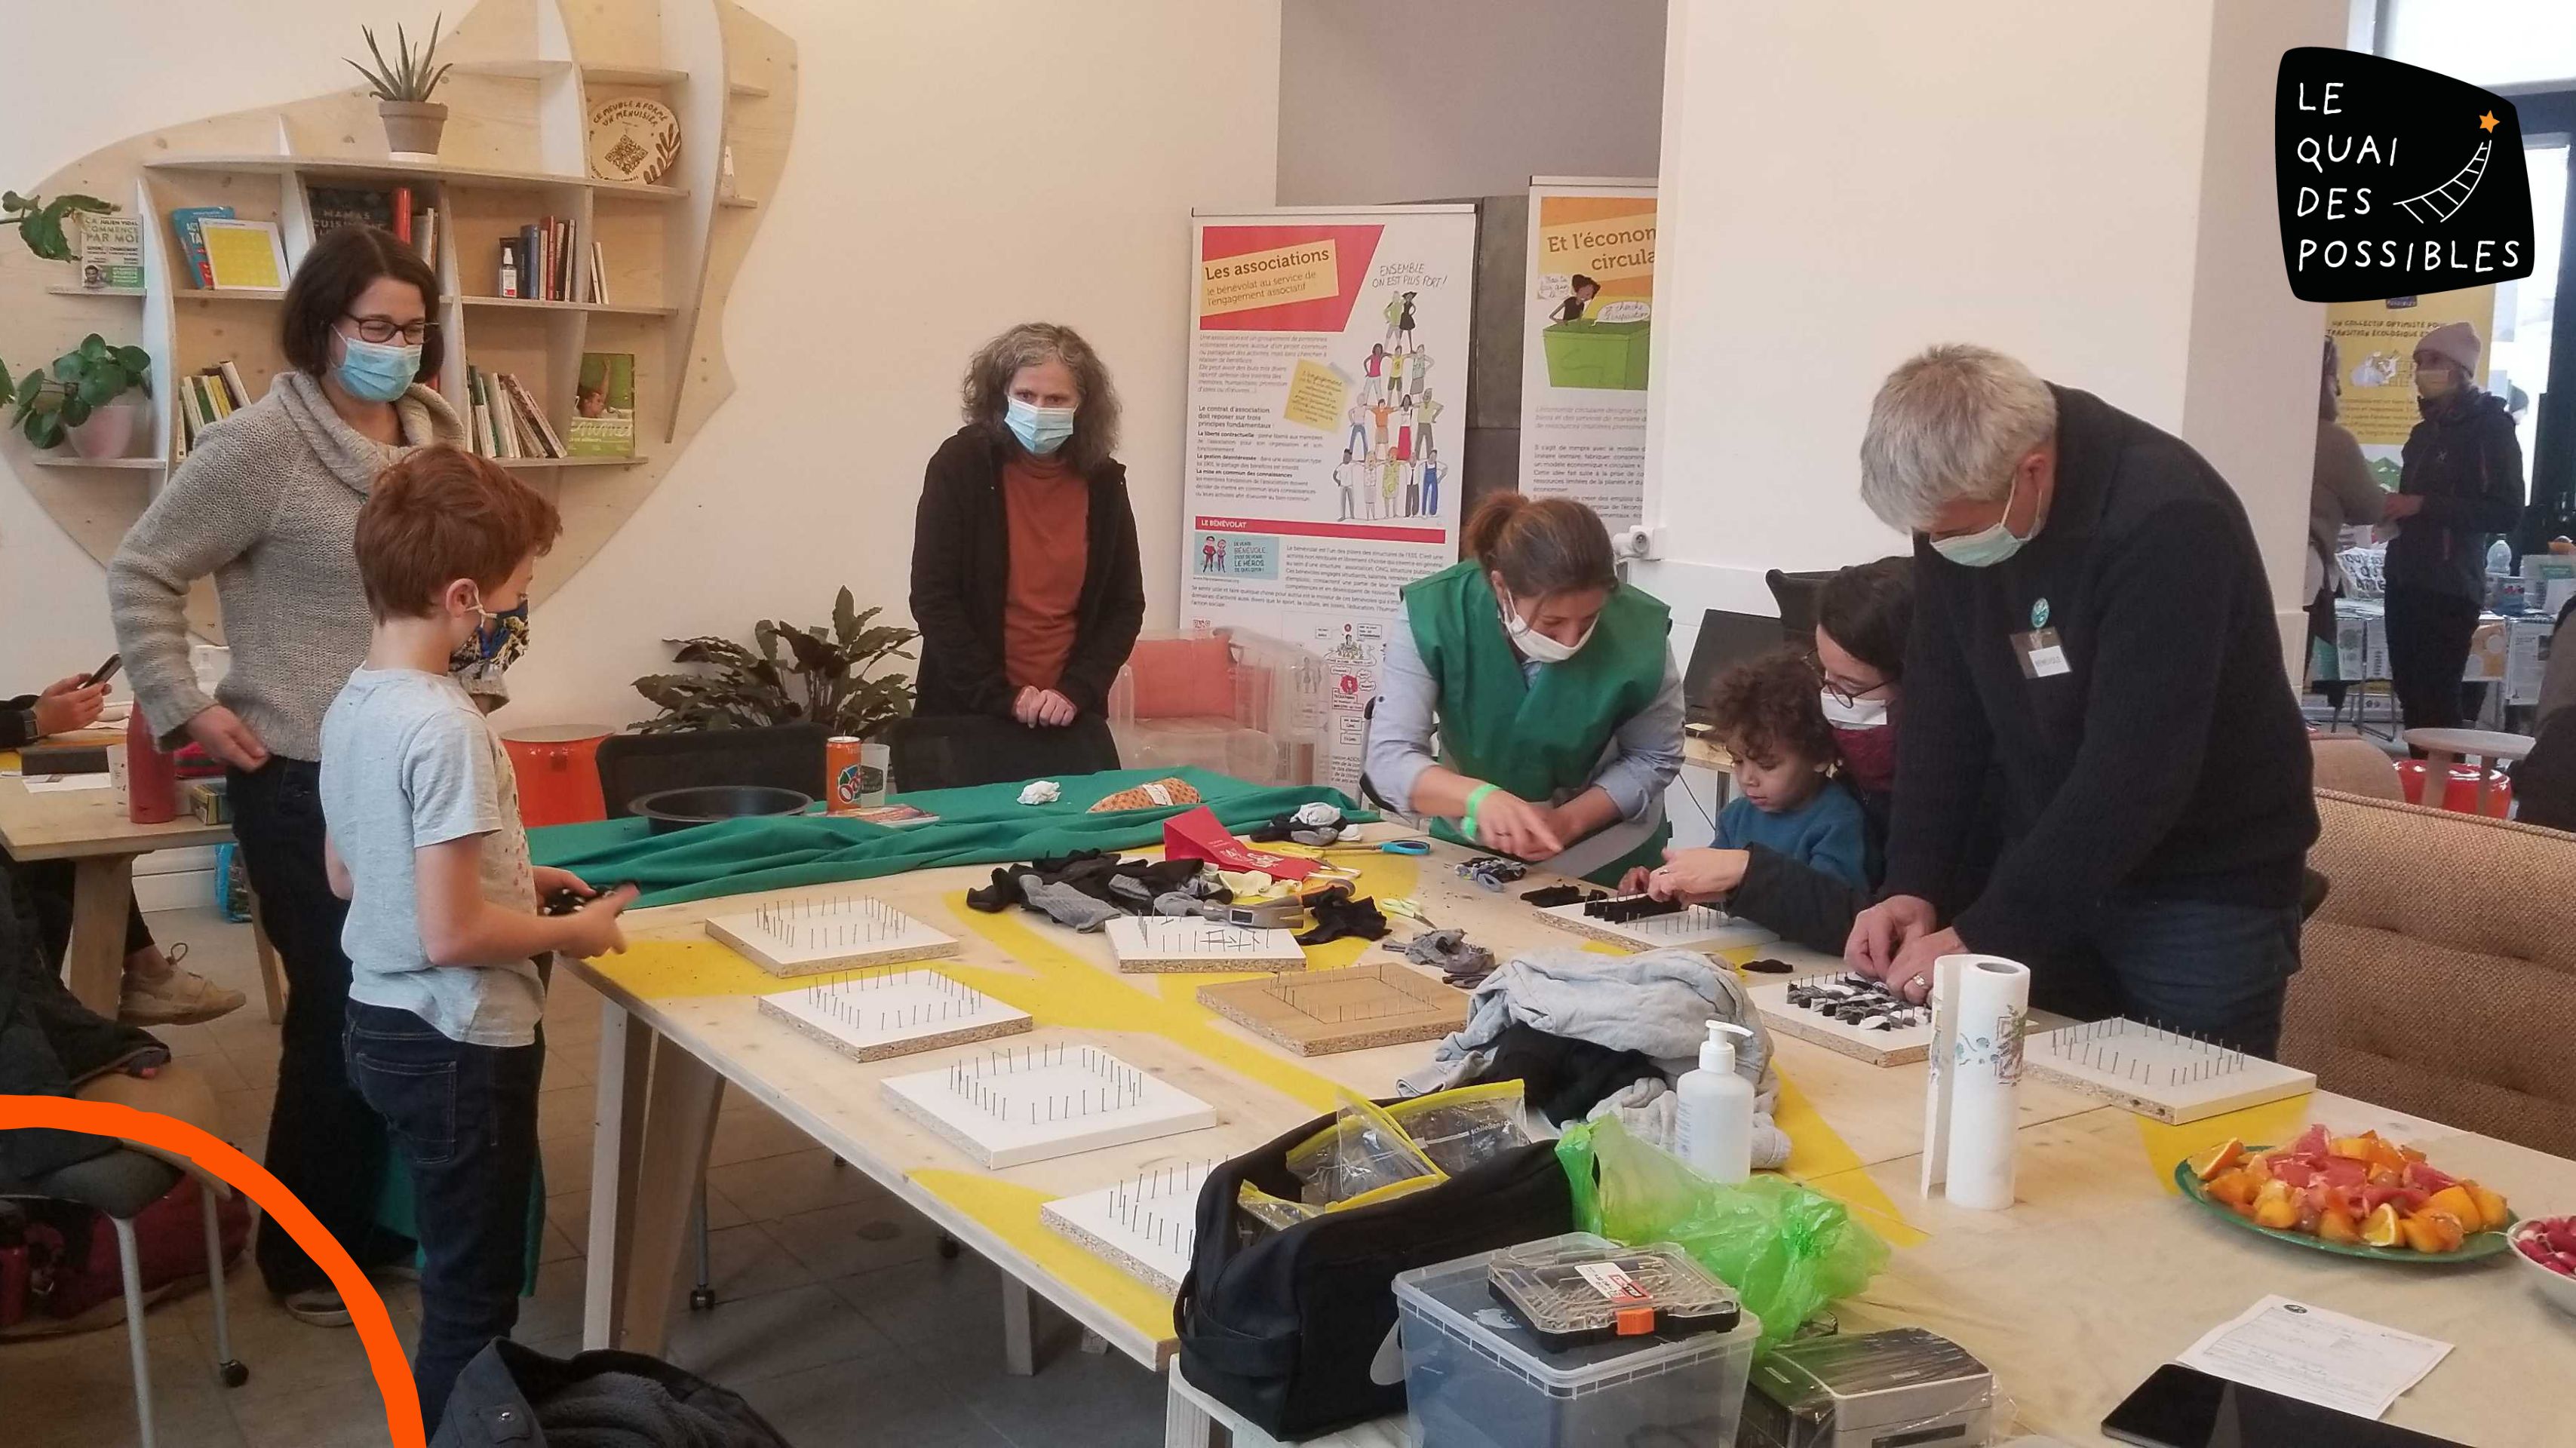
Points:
point(1766, 713)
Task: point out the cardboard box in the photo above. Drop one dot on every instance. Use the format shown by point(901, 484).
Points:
point(2487, 650)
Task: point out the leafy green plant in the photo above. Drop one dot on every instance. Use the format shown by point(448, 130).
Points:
point(81, 381)
point(823, 677)
point(40, 222)
point(417, 75)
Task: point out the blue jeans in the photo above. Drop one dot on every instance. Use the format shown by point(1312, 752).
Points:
point(2211, 969)
point(465, 1120)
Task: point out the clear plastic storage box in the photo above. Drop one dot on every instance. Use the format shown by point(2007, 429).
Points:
point(1477, 1376)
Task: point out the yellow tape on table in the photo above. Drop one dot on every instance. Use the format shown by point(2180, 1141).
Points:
point(2274, 1123)
point(1012, 1213)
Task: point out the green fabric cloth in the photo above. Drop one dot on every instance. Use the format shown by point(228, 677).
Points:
point(985, 825)
point(1541, 738)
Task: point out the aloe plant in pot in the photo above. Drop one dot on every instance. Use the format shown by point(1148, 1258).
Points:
point(91, 397)
point(413, 122)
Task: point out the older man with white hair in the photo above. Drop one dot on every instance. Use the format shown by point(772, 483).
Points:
point(2092, 627)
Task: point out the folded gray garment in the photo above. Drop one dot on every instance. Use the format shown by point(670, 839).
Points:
point(1448, 952)
point(1066, 905)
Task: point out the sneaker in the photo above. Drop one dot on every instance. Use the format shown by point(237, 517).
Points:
point(320, 1306)
point(181, 998)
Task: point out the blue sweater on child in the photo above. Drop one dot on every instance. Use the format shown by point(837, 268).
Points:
point(1828, 833)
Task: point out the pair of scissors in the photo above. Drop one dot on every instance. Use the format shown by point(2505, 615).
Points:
point(1416, 847)
point(1408, 907)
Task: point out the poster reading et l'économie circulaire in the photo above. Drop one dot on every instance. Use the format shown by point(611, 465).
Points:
point(1587, 316)
point(1328, 371)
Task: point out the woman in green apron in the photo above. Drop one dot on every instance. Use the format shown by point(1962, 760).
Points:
point(1528, 702)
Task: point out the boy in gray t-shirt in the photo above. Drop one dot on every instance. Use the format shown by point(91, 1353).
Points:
point(443, 931)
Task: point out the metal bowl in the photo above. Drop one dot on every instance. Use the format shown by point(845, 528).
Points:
point(705, 804)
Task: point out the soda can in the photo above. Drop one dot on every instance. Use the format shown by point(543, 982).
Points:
point(842, 770)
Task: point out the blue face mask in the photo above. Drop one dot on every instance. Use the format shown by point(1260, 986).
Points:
point(1040, 429)
point(376, 371)
point(1987, 546)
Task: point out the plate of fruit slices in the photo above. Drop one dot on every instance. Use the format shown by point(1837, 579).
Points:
point(2356, 1196)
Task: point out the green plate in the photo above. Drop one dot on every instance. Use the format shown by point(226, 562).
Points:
point(2479, 1244)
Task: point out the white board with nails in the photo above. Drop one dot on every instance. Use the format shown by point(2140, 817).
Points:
point(1033, 1103)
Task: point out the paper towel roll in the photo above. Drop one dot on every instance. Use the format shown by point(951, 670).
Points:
point(1980, 1011)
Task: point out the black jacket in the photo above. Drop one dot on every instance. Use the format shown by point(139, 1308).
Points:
point(18, 722)
point(2465, 462)
point(49, 1045)
point(961, 568)
point(512, 1396)
point(2167, 760)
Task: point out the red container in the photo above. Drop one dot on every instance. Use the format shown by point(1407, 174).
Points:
point(558, 769)
point(151, 777)
point(2460, 795)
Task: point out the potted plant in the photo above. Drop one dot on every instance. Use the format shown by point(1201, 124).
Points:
point(40, 225)
point(91, 397)
point(824, 678)
point(412, 120)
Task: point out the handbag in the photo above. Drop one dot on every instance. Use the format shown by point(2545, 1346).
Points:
point(1294, 1328)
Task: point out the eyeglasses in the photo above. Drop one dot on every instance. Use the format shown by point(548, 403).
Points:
point(386, 329)
point(1841, 693)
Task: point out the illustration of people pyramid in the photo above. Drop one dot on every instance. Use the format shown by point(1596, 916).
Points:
point(1390, 465)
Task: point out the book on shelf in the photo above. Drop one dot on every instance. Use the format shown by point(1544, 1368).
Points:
point(184, 224)
point(111, 253)
point(402, 214)
point(338, 207)
point(243, 253)
point(208, 396)
point(507, 422)
point(425, 232)
point(598, 273)
point(603, 415)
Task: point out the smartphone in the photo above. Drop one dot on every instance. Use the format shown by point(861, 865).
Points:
point(2183, 1407)
point(104, 672)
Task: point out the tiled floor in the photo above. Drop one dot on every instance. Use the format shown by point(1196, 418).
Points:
point(835, 1316)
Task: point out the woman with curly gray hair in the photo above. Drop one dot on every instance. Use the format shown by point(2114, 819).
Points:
point(1025, 580)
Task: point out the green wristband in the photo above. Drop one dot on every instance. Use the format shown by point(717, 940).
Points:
point(1474, 800)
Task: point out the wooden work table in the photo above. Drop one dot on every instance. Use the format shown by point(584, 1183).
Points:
point(89, 827)
point(2099, 1272)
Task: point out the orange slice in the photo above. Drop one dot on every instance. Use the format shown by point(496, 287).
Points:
point(2492, 1212)
point(2382, 1229)
point(2218, 1158)
point(2457, 1201)
point(2337, 1225)
point(2277, 1212)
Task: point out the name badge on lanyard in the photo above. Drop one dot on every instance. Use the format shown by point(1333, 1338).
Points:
point(2041, 653)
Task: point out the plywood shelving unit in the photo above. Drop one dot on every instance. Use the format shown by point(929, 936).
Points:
point(515, 148)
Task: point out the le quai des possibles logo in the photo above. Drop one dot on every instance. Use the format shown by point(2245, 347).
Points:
point(2394, 180)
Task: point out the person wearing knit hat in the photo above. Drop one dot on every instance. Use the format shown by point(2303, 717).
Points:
point(2461, 485)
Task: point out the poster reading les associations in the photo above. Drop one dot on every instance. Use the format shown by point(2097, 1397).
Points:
point(1587, 316)
point(1328, 360)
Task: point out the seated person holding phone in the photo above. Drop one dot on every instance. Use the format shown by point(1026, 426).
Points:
point(156, 992)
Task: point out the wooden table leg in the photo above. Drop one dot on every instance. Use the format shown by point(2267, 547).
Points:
point(671, 1159)
point(2437, 780)
point(1185, 1423)
point(272, 976)
point(1019, 1332)
point(617, 1130)
point(94, 966)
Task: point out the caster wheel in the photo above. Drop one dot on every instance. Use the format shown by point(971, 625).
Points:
point(701, 1298)
point(234, 1374)
point(948, 1248)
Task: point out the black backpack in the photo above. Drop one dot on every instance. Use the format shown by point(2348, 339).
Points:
point(1286, 1327)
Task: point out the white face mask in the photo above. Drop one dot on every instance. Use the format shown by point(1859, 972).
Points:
point(1858, 714)
point(1536, 645)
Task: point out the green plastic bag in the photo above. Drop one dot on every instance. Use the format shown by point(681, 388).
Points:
point(1785, 1249)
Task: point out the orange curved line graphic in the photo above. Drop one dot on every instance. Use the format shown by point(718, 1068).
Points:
point(366, 1309)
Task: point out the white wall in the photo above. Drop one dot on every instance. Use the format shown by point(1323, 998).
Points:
point(956, 167)
point(1435, 99)
point(1845, 183)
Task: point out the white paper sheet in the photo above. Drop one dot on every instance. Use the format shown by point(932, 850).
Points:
point(65, 783)
point(2316, 1356)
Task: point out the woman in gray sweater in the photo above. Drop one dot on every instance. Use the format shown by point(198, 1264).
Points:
point(267, 503)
